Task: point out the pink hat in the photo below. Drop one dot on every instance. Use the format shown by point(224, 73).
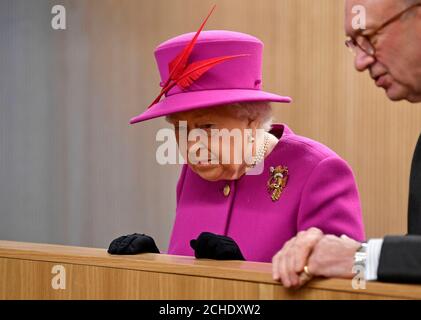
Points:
point(207, 69)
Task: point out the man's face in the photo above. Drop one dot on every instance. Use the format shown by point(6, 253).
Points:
point(396, 65)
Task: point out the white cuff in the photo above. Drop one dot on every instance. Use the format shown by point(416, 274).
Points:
point(374, 247)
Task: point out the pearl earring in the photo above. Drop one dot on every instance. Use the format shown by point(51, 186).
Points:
point(251, 139)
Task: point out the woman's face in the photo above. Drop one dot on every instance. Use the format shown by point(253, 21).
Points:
point(216, 139)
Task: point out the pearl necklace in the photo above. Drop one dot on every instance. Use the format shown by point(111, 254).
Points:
point(262, 151)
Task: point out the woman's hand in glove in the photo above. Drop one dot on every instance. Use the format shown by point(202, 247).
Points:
point(133, 244)
point(212, 246)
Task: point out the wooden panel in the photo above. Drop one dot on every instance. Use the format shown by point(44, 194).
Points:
point(26, 279)
point(26, 273)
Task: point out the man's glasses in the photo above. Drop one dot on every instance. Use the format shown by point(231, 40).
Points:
point(364, 42)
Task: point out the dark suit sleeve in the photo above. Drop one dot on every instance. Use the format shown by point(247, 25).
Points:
point(414, 206)
point(400, 259)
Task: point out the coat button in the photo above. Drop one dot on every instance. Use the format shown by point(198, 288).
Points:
point(227, 190)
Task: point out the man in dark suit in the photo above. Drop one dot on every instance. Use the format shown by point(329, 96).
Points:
point(390, 49)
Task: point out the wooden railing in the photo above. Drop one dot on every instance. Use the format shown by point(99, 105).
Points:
point(44, 271)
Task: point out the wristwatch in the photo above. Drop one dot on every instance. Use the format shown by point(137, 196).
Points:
point(360, 256)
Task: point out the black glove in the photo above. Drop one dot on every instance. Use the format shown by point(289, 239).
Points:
point(133, 244)
point(212, 246)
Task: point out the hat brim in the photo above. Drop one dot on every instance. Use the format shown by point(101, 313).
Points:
point(204, 99)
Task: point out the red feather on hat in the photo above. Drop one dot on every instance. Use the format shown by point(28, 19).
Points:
point(193, 72)
point(178, 65)
point(183, 74)
point(196, 69)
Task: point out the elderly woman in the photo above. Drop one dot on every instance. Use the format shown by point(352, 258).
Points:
point(282, 184)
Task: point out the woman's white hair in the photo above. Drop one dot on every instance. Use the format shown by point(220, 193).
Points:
point(252, 110)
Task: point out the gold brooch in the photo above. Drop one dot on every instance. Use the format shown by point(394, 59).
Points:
point(277, 181)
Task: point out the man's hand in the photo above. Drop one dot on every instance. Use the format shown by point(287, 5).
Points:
point(324, 255)
point(333, 257)
point(289, 262)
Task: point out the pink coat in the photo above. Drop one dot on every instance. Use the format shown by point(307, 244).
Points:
point(321, 192)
